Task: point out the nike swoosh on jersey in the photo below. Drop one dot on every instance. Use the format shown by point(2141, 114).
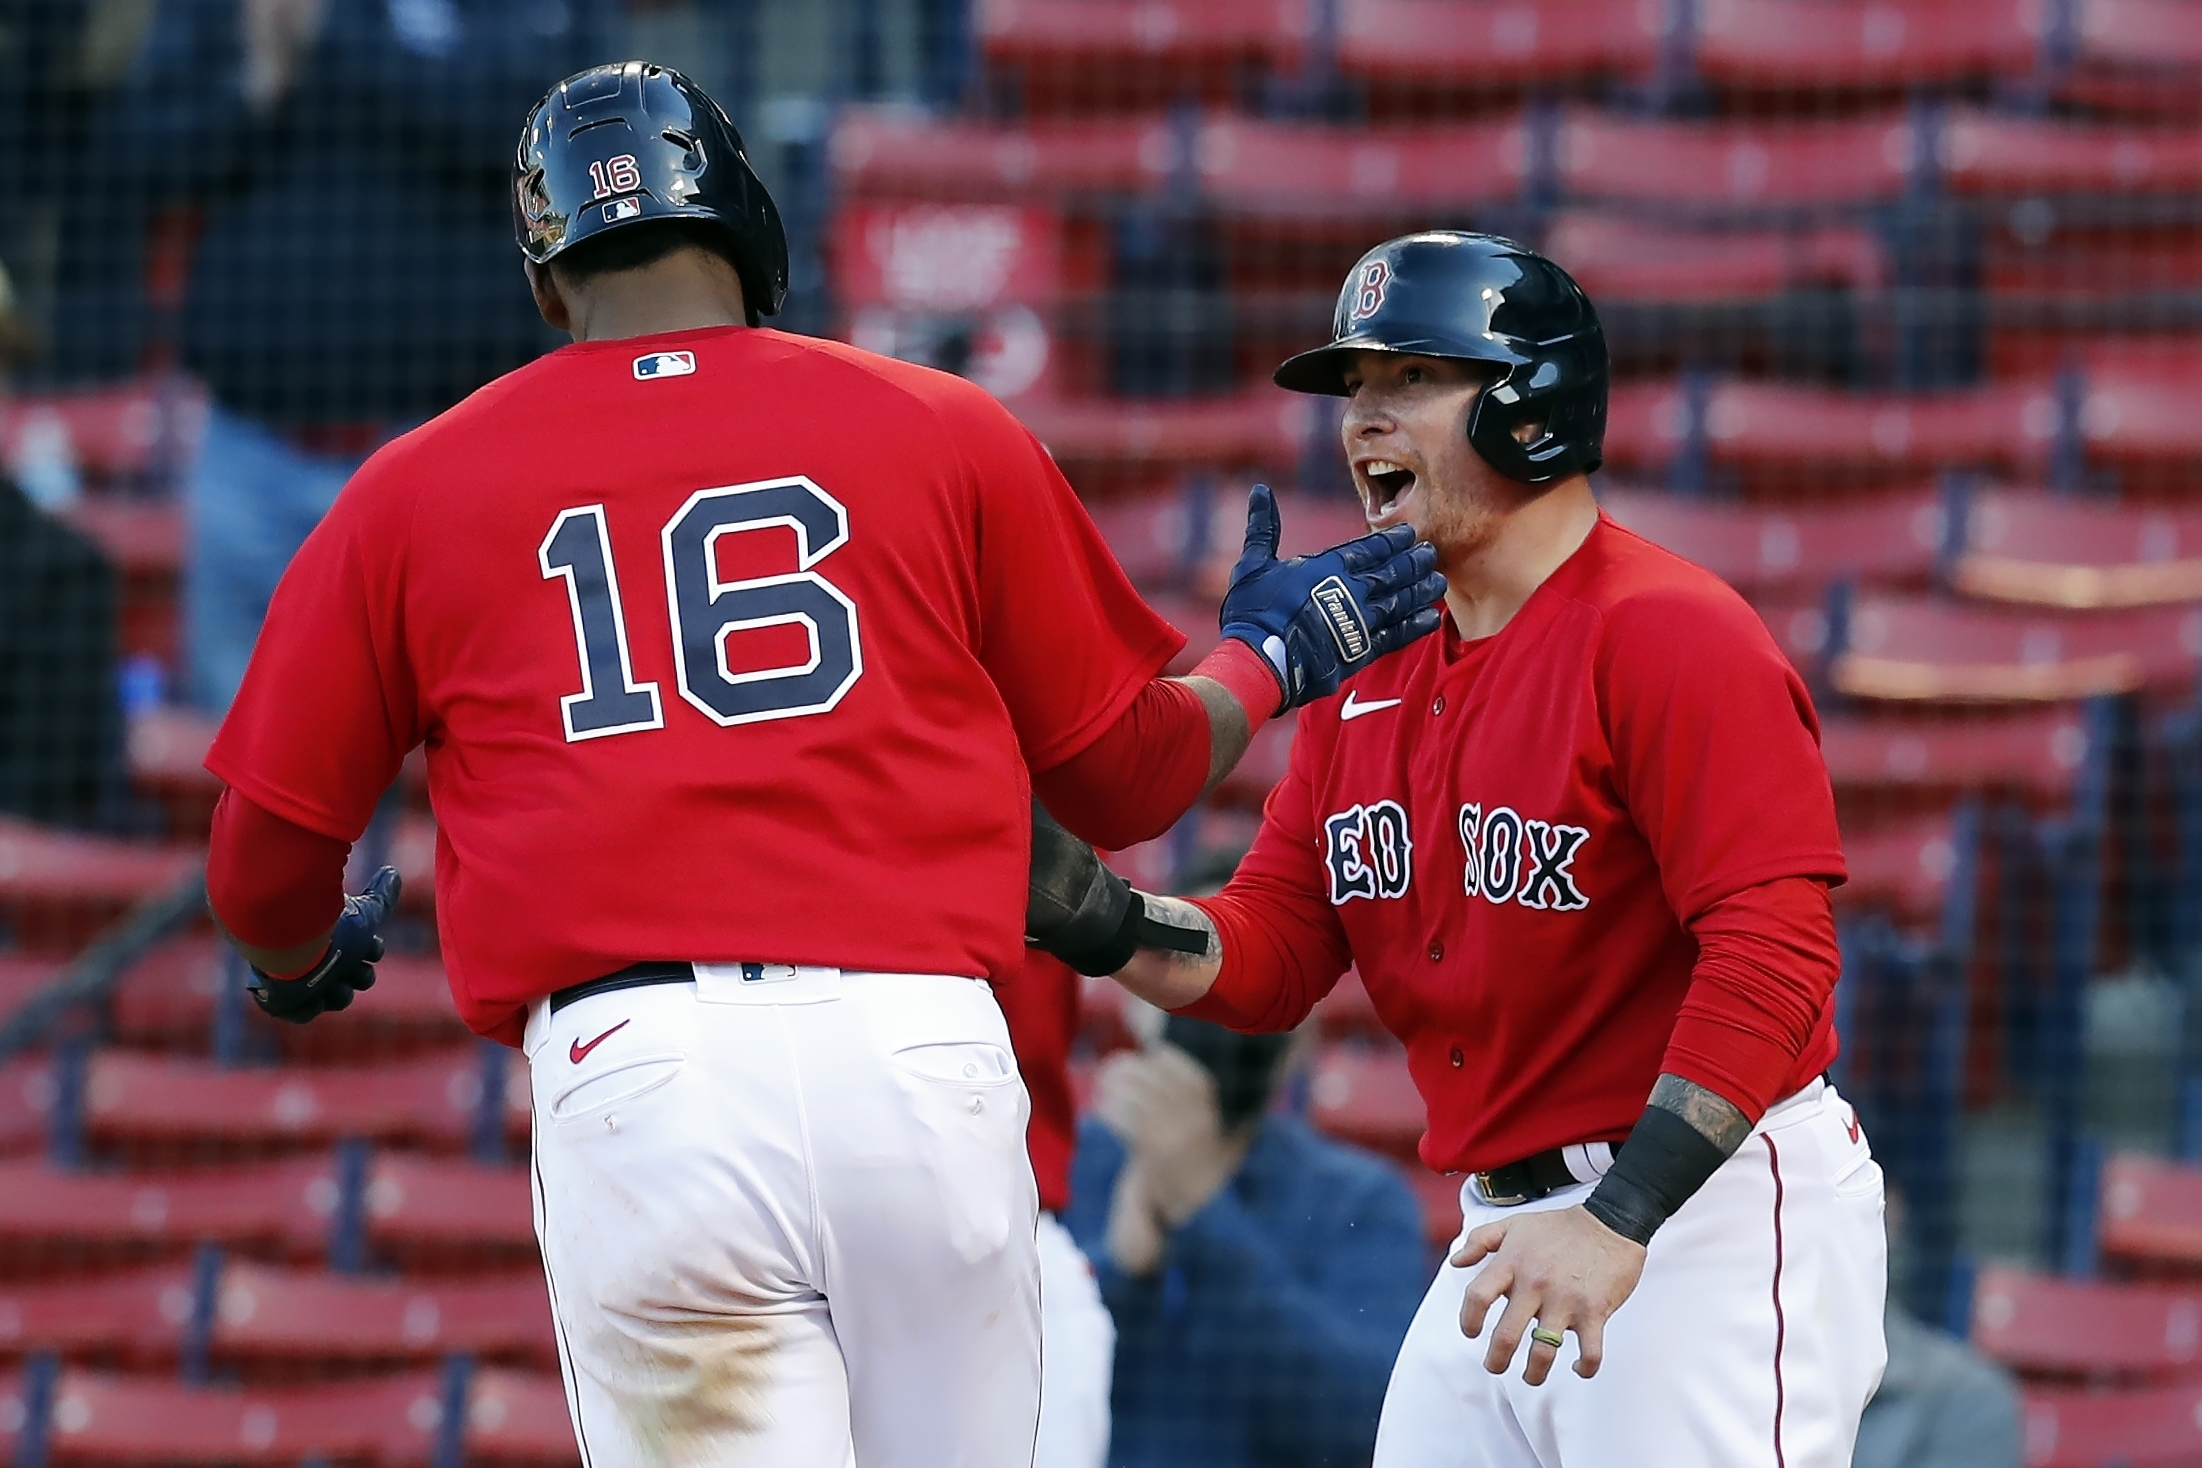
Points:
point(1351, 710)
point(578, 1052)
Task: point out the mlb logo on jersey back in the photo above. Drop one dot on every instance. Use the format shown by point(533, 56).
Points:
point(664, 364)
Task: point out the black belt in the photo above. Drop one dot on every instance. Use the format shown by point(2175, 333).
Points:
point(633, 976)
point(1529, 1179)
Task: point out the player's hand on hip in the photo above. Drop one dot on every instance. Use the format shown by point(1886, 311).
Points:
point(1558, 1271)
point(346, 967)
point(1318, 619)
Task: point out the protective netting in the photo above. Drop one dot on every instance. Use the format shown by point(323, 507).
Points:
point(1905, 305)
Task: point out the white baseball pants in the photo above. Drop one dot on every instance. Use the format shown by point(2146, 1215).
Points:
point(788, 1221)
point(1078, 1350)
point(1752, 1341)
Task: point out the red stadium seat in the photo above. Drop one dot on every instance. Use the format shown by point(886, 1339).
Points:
point(1616, 258)
point(2037, 752)
point(513, 1417)
point(1151, 534)
point(26, 1096)
point(1365, 1095)
point(1760, 549)
point(2142, 414)
point(1733, 164)
point(279, 1315)
point(1252, 167)
point(2137, 56)
point(58, 887)
point(2054, 550)
point(49, 1214)
point(139, 1314)
point(1850, 44)
point(1919, 648)
point(1445, 44)
point(880, 152)
point(167, 1000)
point(2078, 1428)
point(1984, 154)
point(1795, 431)
point(2151, 1212)
point(420, 1208)
point(168, 749)
point(160, 1101)
point(99, 1418)
point(1905, 868)
point(1264, 427)
point(2084, 1327)
point(1147, 33)
point(424, 1207)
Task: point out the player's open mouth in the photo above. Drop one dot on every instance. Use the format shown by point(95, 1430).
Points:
point(1384, 488)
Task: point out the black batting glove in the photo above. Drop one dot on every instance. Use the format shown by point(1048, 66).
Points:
point(1085, 914)
point(1317, 619)
point(349, 965)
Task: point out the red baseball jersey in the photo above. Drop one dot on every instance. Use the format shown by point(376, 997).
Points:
point(1041, 1007)
point(1509, 837)
point(724, 644)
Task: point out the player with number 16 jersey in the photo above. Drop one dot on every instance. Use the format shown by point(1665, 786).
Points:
point(738, 657)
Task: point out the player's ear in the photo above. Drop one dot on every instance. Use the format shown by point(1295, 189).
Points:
point(550, 303)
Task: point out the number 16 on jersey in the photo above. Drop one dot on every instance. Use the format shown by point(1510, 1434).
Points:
point(705, 611)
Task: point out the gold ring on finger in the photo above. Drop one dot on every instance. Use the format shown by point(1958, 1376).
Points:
point(1547, 1337)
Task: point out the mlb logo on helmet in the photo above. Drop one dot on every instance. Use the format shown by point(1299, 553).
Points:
point(1368, 299)
point(620, 209)
point(664, 364)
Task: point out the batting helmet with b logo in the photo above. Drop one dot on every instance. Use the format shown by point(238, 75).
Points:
point(1480, 298)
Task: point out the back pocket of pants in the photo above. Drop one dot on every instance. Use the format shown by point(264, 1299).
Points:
point(616, 1084)
point(959, 1062)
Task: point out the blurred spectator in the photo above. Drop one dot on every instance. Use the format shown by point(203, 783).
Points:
point(1261, 1276)
point(61, 734)
point(1941, 1405)
point(335, 173)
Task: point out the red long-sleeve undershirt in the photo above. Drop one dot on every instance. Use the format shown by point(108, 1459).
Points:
point(1761, 992)
point(272, 882)
point(275, 884)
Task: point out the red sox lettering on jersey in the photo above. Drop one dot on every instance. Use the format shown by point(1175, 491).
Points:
point(1505, 856)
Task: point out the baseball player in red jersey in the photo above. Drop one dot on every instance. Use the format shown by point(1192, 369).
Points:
point(1580, 846)
point(731, 651)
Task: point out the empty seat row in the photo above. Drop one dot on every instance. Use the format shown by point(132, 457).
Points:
point(85, 1416)
point(1745, 44)
point(1260, 167)
point(273, 1317)
point(422, 1208)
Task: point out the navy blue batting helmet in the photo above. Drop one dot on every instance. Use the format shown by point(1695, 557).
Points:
point(1480, 298)
point(633, 143)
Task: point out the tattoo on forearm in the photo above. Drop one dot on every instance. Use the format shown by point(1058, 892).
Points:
point(1712, 1118)
point(1228, 730)
point(1181, 914)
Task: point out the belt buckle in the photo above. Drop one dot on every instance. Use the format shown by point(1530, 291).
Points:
point(1495, 1199)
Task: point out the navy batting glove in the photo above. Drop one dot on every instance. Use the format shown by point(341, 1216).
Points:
point(1318, 619)
point(349, 965)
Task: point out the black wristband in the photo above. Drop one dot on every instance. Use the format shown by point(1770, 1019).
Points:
point(1662, 1164)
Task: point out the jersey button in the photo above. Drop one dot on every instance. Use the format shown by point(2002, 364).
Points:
point(1457, 1058)
point(1437, 952)
point(1437, 705)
